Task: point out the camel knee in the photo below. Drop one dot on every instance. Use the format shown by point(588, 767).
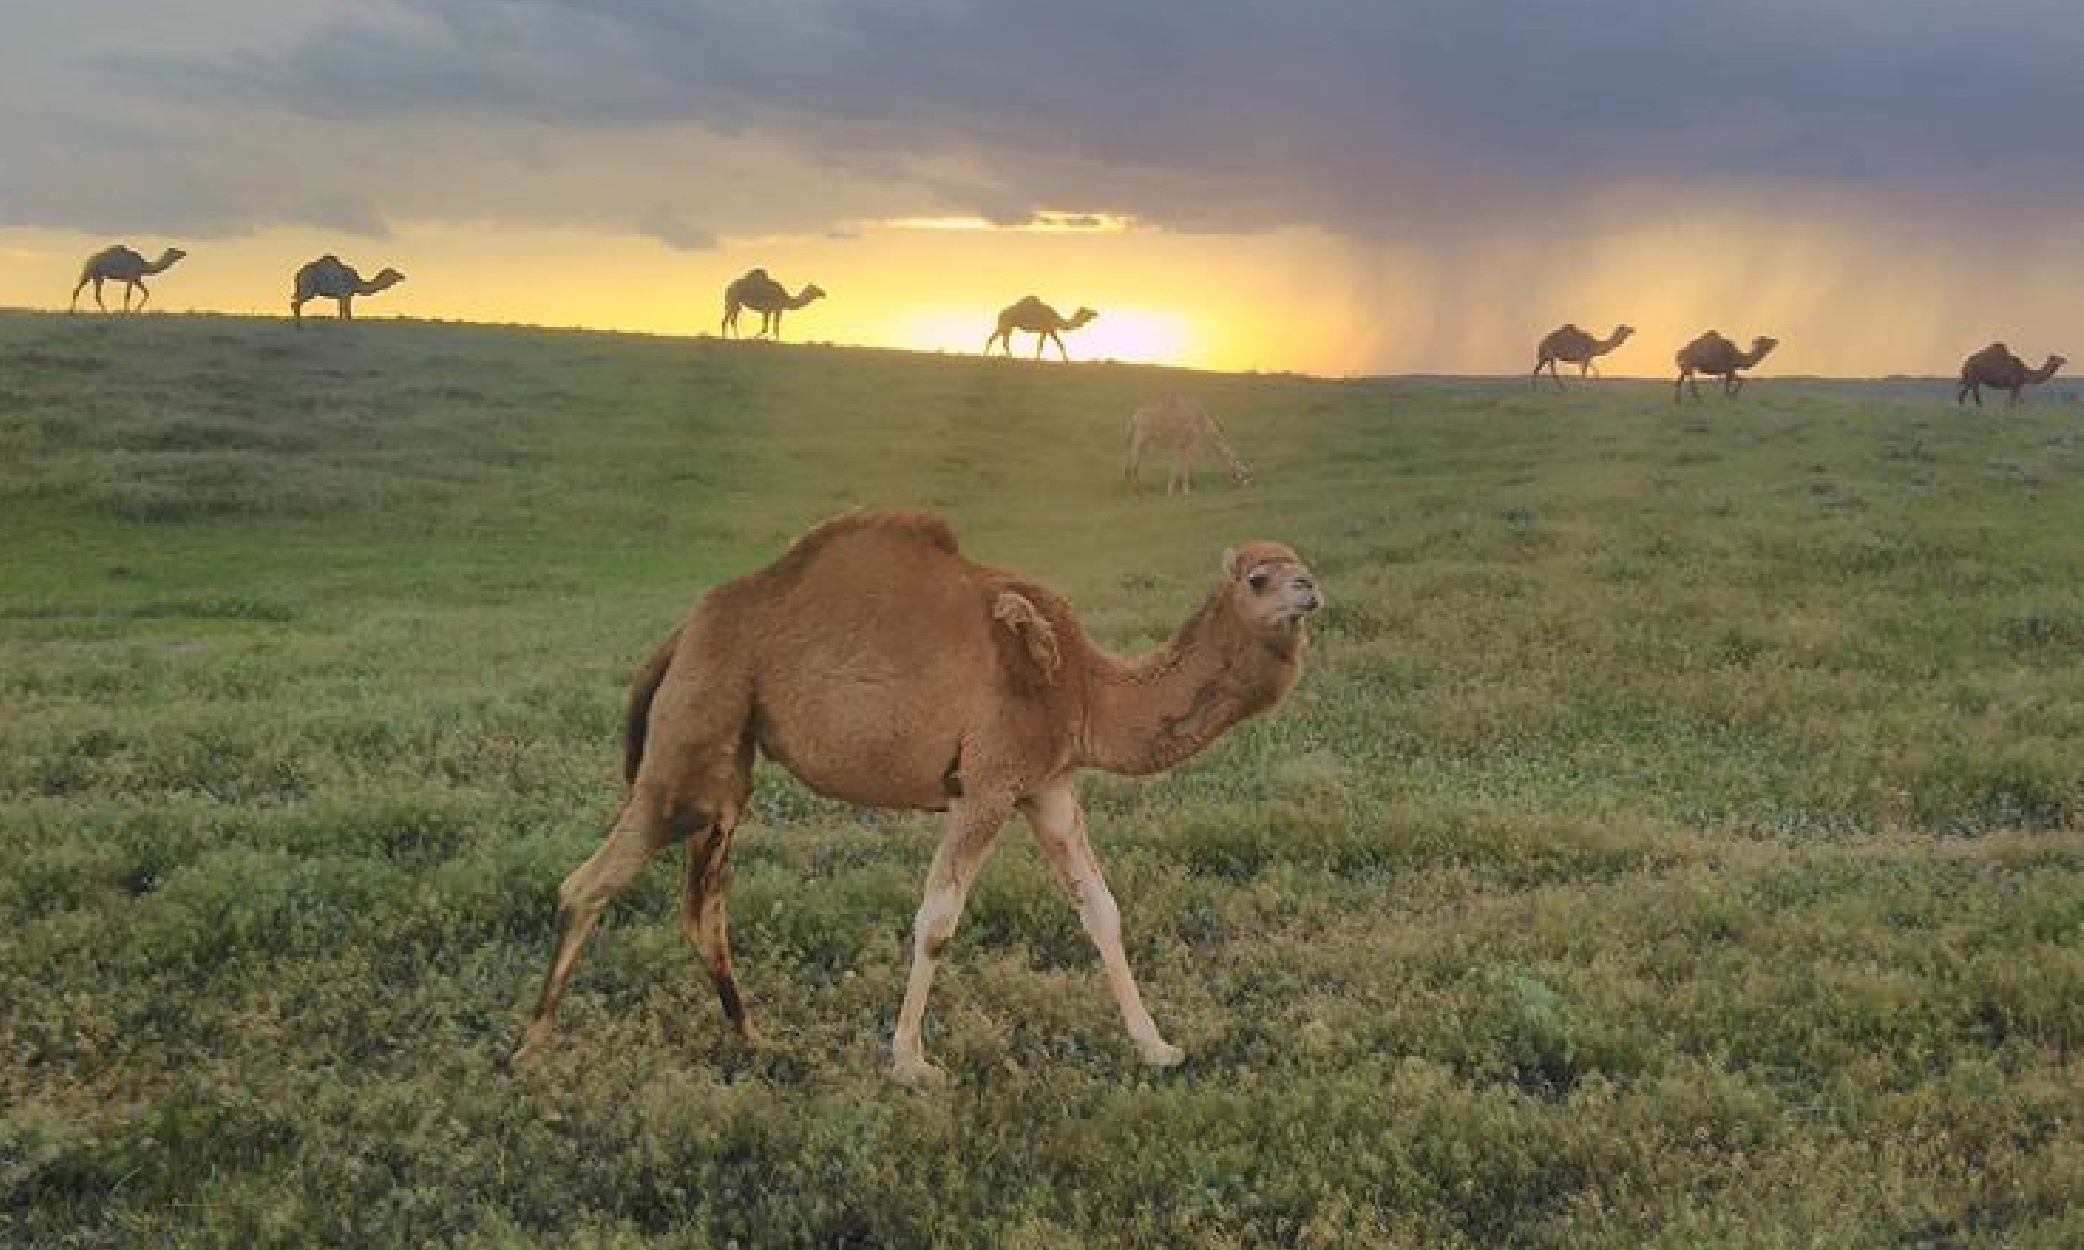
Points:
point(1101, 915)
point(934, 926)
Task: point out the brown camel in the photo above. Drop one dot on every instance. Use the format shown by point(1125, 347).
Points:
point(1039, 319)
point(120, 264)
point(881, 667)
point(328, 276)
point(1179, 425)
point(1996, 367)
point(1712, 354)
point(766, 297)
point(1573, 346)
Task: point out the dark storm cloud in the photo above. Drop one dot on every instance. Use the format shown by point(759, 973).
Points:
point(1363, 117)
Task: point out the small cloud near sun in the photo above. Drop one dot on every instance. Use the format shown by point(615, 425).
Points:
point(1038, 222)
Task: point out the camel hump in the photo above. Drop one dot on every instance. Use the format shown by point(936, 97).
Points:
point(905, 525)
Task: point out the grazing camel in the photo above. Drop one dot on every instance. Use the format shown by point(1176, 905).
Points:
point(766, 297)
point(1039, 319)
point(120, 264)
point(1573, 346)
point(330, 277)
point(1996, 367)
point(1179, 425)
point(1712, 354)
point(880, 666)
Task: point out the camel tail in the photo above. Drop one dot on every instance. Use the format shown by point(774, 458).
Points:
point(636, 718)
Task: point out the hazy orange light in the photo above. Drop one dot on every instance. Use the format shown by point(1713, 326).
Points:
point(1144, 335)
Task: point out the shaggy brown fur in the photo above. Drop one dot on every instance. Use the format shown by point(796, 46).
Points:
point(1712, 354)
point(120, 264)
point(1178, 425)
point(1039, 319)
point(1573, 346)
point(332, 278)
point(1996, 367)
point(882, 667)
point(766, 297)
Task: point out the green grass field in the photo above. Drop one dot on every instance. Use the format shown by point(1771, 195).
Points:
point(1673, 843)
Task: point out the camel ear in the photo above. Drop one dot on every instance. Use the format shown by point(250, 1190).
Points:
point(1233, 564)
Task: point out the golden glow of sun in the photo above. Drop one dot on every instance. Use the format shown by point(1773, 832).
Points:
point(1145, 335)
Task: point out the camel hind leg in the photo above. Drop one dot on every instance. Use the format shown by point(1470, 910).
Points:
point(692, 781)
point(708, 871)
point(640, 832)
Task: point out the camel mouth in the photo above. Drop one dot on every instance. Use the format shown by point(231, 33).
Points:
point(1305, 602)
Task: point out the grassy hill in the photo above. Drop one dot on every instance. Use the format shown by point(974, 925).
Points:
point(1673, 842)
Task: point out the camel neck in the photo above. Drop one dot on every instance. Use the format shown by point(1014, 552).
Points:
point(1147, 713)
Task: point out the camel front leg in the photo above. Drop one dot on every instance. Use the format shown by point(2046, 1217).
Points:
point(972, 826)
point(1059, 824)
point(347, 308)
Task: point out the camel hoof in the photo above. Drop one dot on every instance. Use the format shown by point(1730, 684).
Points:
point(914, 1072)
point(1164, 1055)
point(533, 1044)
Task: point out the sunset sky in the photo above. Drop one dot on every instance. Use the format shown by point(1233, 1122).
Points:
point(1332, 186)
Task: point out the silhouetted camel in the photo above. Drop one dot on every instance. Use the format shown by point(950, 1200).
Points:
point(1996, 367)
point(1037, 318)
point(120, 264)
point(1712, 354)
point(766, 297)
point(1573, 346)
point(331, 278)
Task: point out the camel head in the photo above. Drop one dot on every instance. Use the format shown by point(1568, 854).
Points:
point(1621, 333)
point(810, 292)
point(1761, 345)
point(1240, 473)
point(1269, 587)
point(385, 280)
point(167, 258)
point(1080, 317)
point(2056, 362)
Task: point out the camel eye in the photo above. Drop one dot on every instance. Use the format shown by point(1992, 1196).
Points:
point(1257, 582)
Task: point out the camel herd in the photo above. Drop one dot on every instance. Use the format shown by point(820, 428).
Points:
point(1711, 354)
point(1715, 356)
point(328, 276)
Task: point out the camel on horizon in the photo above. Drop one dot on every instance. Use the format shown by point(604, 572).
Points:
point(1712, 354)
point(765, 296)
point(1029, 313)
point(1996, 367)
point(121, 264)
point(1573, 346)
point(331, 278)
